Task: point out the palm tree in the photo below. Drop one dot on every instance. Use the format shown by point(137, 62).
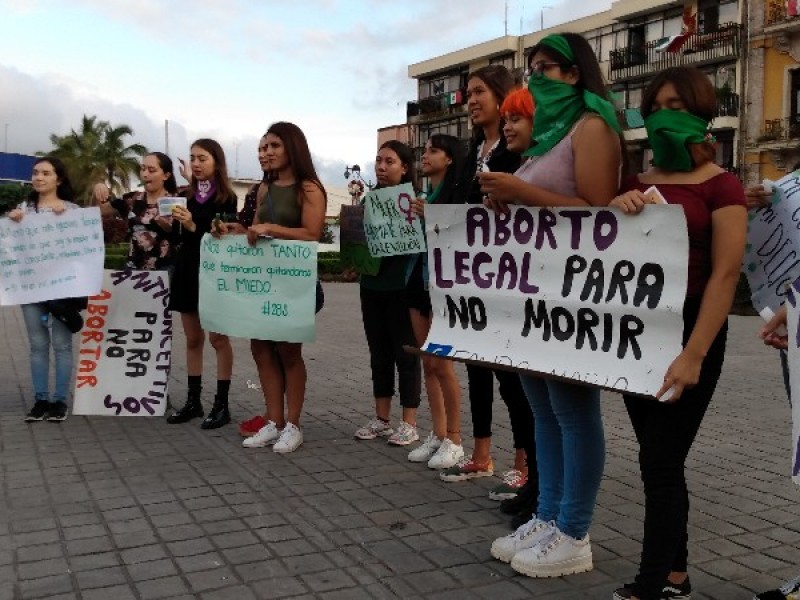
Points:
point(97, 152)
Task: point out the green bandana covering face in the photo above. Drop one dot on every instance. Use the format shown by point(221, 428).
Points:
point(668, 132)
point(559, 105)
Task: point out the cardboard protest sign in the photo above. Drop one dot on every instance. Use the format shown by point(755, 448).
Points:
point(266, 291)
point(390, 226)
point(125, 347)
point(793, 327)
point(47, 256)
point(772, 254)
point(353, 250)
point(587, 294)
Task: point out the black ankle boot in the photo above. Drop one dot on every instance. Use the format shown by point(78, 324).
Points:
point(529, 490)
point(192, 409)
point(219, 415)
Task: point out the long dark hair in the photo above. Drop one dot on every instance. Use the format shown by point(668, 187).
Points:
point(454, 150)
point(64, 189)
point(297, 152)
point(406, 156)
point(500, 81)
point(698, 97)
point(165, 163)
point(225, 192)
point(590, 77)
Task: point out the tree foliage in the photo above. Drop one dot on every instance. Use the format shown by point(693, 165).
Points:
point(98, 151)
point(11, 194)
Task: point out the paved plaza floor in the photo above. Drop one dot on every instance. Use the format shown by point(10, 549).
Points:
point(105, 508)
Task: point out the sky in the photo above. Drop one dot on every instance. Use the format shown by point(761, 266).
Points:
point(226, 69)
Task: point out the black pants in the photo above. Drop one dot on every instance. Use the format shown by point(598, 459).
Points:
point(387, 325)
point(665, 433)
point(481, 398)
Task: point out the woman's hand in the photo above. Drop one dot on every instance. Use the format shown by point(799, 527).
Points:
point(774, 332)
point(632, 202)
point(184, 217)
point(683, 373)
point(100, 194)
point(500, 187)
point(15, 215)
point(165, 223)
point(757, 196)
point(418, 206)
point(256, 230)
point(227, 228)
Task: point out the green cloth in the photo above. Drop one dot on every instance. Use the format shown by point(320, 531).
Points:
point(280, 206)
point(668, 132)
point(559, 105)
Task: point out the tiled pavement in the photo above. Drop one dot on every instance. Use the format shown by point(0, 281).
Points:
point(115, 508)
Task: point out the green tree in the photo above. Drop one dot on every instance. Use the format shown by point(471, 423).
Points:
point(97, 151)
point(11, 194)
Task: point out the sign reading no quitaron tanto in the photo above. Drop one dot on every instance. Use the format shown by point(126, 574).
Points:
point(47, 256)
point(793, 326)
point(587, 294)
point(390, 225)
point(772, 254)
point(265, 292)
point(124, 347)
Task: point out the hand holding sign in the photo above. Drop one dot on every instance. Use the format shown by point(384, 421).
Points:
point(634, 201)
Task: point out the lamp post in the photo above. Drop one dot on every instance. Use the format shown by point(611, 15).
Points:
point(541, 16)
point(356, 185)
point(355, 171)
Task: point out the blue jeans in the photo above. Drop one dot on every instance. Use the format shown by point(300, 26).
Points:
point(570, 451)
point(41, 336)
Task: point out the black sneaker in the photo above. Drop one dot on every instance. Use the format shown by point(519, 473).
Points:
point(788, 591)
point(671, 591)
point(38, 412)
point(57, 412)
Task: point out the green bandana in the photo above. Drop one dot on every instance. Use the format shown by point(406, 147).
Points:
point(668, 132)
point(559, 105)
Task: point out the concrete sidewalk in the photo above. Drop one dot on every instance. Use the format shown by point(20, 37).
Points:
point(133, 508)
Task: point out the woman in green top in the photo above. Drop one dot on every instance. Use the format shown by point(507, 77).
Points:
point(290, 206)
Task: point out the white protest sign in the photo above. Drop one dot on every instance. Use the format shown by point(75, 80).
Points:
point(266, 292)
point(47, 256)
point(390, 225)
point(793, 326)
point(125, 347)
point(587, 294)
point(772, 255)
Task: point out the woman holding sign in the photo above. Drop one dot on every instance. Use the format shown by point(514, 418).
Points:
point(52, 192)
point(677, 107)
point(387, 323)
point(290, 206)
point(441, 163)
point(575, 160)
point(210, 196)
point(151, 244)
point(487, 88)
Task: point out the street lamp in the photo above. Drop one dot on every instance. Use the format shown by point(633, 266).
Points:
point(541, 16)
point(355, 171)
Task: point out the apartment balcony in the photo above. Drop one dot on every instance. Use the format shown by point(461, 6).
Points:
point(435, 107)
point(780, 134)
point(781, 17)
point(695, 49)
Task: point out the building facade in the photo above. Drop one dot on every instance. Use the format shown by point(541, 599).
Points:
point(633, 41)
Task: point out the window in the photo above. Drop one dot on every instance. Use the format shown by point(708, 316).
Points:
point(655, 31)
point(708, 16)
point(507, 61)
point(728, 12)
point(672, 26)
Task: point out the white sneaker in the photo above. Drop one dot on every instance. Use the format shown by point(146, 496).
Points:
point(266, 436)
point(448, 455)
point(428, 448)
point(290, 439)
point(526, 536)
point(373, 429)
point(555, 555)
point(405, 435)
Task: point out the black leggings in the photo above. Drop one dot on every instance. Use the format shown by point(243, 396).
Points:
point(387, 325)
point(665, 433)
point(481, 397)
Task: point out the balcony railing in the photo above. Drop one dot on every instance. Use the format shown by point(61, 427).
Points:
point(646, 59)
point(778, 131)
point(435, 106)
point(778, 13)
point(727, 106)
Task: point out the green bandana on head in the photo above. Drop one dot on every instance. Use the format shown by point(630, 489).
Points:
point(559, 105)
point(668, 132)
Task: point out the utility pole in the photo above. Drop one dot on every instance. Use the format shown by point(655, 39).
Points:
point(166, 137)
point(5, 139)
